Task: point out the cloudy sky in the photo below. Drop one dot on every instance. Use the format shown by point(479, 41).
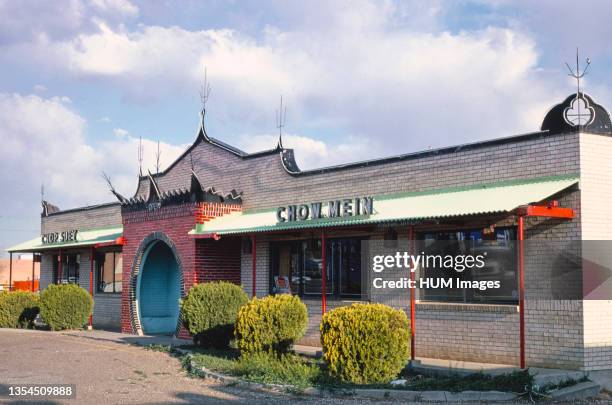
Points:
point(82, 80)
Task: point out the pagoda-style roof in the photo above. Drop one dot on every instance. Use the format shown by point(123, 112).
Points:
point(195, 193)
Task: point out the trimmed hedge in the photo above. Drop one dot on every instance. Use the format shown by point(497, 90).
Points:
point(18, 309)
point(271, 324)
point(365, 343)
point(209, 312)
point(65, 306)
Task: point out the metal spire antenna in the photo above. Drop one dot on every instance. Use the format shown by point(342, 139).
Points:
point(204, 90)
point(578, 75)
point(281, 118)
point(42, 192)
point(140, 155)
point(157, 155)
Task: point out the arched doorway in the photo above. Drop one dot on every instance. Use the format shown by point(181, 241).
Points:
point(158, 290)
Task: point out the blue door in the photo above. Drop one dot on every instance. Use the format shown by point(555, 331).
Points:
point(158, 291)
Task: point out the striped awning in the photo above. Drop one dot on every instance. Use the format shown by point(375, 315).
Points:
point(89, 237)
point(501, 197)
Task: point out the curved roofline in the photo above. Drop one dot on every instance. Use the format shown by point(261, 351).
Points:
point(287, 158)
point(554, 127)
point(202, 136)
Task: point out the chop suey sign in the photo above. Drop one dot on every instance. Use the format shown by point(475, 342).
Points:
point(59, 237)
point(347, 207)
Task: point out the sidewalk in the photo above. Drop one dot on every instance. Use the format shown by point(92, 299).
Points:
point(118, 337)
point(542, 376)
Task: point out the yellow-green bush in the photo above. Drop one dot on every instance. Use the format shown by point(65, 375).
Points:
point(18, 309)
point(272, 323)
point(65, 306)
point(365, 343)
point(209, 312)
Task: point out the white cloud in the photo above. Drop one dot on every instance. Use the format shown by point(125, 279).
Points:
point(362, 75)
point(312, 153)
point(46, 142)
point(120, 7)
point(120, 132)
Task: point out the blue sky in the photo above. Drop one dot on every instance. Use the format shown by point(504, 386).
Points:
point(83, 80)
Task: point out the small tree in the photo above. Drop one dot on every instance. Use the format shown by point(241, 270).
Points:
point(209, 312)
point(18, 309)
point(65, 306)
point(272, 323)
point(365, 343)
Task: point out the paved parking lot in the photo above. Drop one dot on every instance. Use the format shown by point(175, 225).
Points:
point(106, 371)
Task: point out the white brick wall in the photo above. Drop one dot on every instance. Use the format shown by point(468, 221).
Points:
point(262, 269)
point(596, 189)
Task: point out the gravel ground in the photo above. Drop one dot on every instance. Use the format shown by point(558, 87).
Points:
point(108, 372)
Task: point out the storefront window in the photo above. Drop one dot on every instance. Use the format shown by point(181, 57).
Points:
point(299, 264)
point(500, 250)
point(110, 271)
point(312, 275)
point(66, 269)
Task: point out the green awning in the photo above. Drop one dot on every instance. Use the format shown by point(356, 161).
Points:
point(89, 237)
point(450, 202)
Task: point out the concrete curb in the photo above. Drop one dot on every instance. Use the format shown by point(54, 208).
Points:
point(579, 391)
point(405, 395)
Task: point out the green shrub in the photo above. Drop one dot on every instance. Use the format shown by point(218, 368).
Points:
point(365, 343)
point(18, 309)
point(272, 323)
point(209, 312)
point(270, 368)
point(65, 306)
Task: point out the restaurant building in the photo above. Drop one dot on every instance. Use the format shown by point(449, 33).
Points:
point(256, 219)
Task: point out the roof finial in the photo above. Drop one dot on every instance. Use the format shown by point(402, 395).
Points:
point(281, 117)
point(204, 91)
point(140, 155)
point(577, 75)
point(157, 156)
point(578, 114)
point(121, 199)
point(204, 94)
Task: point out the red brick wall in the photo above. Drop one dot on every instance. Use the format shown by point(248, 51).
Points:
point(218, 260)
point(200, 259)
point(214, 261)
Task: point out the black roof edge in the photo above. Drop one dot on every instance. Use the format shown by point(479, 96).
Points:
point(85, 208)
point(421, 154)
point(203, 137)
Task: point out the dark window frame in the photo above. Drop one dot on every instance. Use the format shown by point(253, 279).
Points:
point(99, 265)
point(422, 296)
point(66, 272)
point(333, 290)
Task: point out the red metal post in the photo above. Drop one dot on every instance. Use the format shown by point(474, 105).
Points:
point(412, 295)
point(33, 257)
point(521, 230)
point(59, 268)
point(254, 263)
point(91, 278)
point(10, 271)
point(323, 274)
